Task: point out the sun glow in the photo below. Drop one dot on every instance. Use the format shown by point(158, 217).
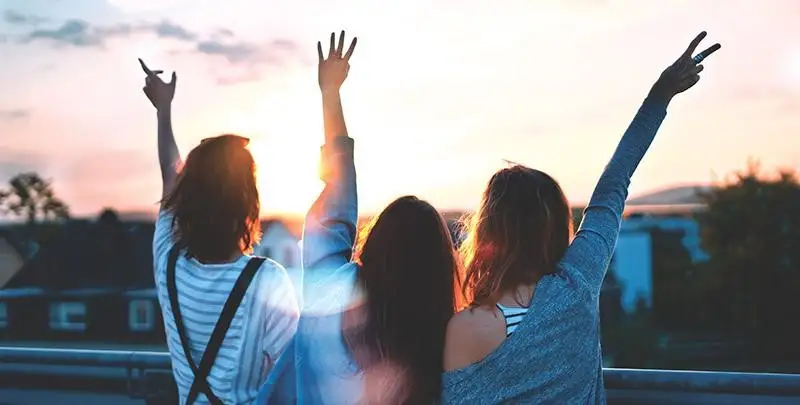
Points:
point(285, 142)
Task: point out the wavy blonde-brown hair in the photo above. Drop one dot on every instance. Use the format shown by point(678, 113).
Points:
point(519, 233)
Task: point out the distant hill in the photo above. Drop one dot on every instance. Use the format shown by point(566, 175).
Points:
point(681, 195)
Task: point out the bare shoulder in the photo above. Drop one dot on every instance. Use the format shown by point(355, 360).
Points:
point(472, 334)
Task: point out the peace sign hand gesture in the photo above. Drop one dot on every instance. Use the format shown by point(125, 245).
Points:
point(157, 91)
point(333, 70)
point(684, 73)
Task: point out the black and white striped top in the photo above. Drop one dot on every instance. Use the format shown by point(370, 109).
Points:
point(513, 316)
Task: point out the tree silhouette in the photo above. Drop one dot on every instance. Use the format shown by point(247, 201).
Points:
point(672, 280)
point(32, 198)
point(752, 232)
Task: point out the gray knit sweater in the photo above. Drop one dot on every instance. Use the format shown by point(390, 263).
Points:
point(554, 355)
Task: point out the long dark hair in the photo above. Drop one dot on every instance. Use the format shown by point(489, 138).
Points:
point(215, 200)
point(519, 233)
point(409, 274)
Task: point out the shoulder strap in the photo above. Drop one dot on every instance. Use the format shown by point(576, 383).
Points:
point(201, 372)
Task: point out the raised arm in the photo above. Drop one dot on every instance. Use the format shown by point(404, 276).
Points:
point(591, 251)
point(329, 231)
point(160, 95)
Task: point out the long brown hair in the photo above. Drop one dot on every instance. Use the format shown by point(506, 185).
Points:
point(409, 274)
point(215, 200)
point(520, 231)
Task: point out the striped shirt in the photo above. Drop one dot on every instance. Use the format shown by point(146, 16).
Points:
point(263, 326)
point(513, 316)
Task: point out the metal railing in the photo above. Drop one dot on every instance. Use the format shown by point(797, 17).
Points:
point(138, 363)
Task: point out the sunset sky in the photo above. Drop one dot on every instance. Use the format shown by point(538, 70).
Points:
point(439, 93)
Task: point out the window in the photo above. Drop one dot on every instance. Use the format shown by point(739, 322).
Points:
point(140, 315)
point(3, 315)
point(68, 316)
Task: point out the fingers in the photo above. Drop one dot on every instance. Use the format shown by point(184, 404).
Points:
point(335, 48)
point(351, 49)
point(691, 71)
point(174, 79)
point(695, 42)
point(147, 70)
point(340, 47)
point(702, 55)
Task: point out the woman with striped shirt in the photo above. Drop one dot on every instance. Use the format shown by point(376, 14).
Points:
point(228, 316)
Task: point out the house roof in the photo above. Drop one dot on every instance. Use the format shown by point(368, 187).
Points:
point(86, 254)
point(26, 247)
point(292, 224)
point(680, 195)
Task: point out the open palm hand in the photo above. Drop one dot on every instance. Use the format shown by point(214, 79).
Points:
point(333, 69)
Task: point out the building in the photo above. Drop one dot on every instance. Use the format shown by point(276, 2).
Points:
point(15, 250)
point(670, 210)
point(280, 242)
point(633, 258)
point(93, 280)
point(77, 286)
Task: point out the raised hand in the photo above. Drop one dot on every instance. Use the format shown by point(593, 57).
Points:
point(684, 73)
point(333, 69)
point(157, 91)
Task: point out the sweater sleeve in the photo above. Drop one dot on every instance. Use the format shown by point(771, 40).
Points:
point(593, 246)
point(329, 230)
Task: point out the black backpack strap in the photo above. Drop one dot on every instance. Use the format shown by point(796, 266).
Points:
point(201, 372)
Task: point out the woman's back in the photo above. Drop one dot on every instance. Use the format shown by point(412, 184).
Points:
point(260, 330)
point(375, 313)
point(554, 355)
point(546, 359)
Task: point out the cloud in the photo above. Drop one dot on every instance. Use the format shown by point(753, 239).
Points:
point(234, 52)
point(73, 32)
point(222, 43)
point(275, 52)
point(16, 18)
point(246, 60)
point(14, 115)
point(167, 29)
point(79, 33)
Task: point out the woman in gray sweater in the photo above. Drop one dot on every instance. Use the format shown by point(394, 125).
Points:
point(532, 334)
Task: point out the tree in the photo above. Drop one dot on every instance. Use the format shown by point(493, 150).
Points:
point(673, 272)
point(32, 198)
point(751, 230)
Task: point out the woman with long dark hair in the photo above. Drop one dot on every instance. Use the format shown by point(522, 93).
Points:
point(228, 315)
point(532, 333)
point(373, 324)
